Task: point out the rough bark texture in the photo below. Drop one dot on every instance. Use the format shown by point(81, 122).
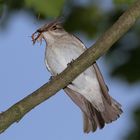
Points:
point(18, 110)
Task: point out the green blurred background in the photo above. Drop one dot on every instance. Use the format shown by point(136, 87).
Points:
point(89, 18)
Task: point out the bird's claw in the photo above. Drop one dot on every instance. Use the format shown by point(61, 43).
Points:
point(69, 64)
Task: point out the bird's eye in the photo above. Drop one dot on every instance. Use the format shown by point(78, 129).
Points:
point(54, 27)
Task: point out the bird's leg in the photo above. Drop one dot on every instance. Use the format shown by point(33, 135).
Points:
point(53, 76)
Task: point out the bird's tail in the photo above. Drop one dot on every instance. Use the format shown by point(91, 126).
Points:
point(93, 118)
point(99, 119)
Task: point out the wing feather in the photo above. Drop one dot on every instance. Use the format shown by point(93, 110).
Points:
point(102, 83)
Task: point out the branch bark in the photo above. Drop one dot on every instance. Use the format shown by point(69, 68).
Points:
point(122, 25)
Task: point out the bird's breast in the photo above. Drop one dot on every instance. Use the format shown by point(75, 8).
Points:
point(59, 55)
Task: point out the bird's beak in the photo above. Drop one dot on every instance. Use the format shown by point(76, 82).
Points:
point(35, 38)
point(37, 35)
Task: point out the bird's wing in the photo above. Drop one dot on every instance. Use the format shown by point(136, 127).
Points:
point(102, 84)
point(80, 41)
point(100, 78)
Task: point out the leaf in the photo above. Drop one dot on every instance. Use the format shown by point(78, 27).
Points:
point(123, 2)
point(50, 8)
point(86, 19)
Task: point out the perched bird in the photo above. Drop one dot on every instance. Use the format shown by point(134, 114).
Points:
point(88, 90)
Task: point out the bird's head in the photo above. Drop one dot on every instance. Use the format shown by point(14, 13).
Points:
point(50, 32)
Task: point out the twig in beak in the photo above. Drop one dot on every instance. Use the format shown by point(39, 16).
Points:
point(34, 39)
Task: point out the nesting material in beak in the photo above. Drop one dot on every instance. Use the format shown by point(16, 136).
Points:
point(37, 36)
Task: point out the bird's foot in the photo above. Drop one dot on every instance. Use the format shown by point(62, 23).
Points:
point(69, 64)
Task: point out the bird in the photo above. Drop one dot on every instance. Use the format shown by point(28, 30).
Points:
point(88, 90)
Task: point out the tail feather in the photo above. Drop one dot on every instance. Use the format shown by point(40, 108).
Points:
point(95, 115)
point(112, 112)
point(88, 125)
point(93, 118)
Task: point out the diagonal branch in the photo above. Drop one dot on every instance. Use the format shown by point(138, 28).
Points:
point(18, 110)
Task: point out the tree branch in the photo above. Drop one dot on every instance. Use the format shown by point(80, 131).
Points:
point(18, 110)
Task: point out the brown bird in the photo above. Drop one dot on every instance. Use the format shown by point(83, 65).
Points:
point(88, 90)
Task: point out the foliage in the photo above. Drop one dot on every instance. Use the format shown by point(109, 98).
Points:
point(45, 7)
point(123, 1)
